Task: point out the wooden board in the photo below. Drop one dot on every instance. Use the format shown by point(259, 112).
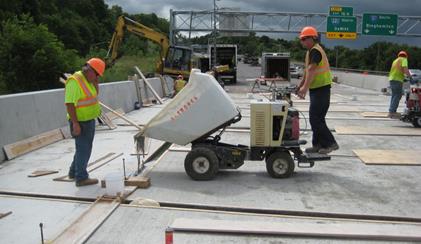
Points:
point(91, 166)
point(83, 227)
point(104, 118)
point(112, 115)
point(30, 144)
point(37, 173)
point(388, 157)
point(139, 181)
point(375, 114)
point(381, 131)
point(321, 229)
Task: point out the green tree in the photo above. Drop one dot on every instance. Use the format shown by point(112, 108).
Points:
point(32, 58)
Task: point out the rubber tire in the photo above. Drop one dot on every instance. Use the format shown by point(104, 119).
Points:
point(416, 122)
point(209, 155)
point(286, 158)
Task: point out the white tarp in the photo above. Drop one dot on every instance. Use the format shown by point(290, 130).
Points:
point(201, 106)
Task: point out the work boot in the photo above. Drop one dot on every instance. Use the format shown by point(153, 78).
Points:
point(329, 149)
point(394, 115)
point(313, 149)
point(86, 182)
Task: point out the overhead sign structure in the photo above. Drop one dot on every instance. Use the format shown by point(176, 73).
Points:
point(380, 24)
point(341, 27)
point(341, 11)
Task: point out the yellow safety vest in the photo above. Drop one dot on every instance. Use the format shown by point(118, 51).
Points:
point(179, 84)
point(323, 76)
point(87, 106)
point(396, 71)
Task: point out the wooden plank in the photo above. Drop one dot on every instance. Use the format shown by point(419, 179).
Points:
point(2, 215)
point(149, 85)
point(30, 144)
point(37, 173)
point(341, 230)
point(91, 166)
point(112, 116)
point(381, 131)
point(139, 181)
point(121, 116)
point(83, 227)
point(388, 157)
point(375, 114)
point(104, 118)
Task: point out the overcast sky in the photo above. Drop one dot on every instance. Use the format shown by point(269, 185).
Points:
point(402, 7)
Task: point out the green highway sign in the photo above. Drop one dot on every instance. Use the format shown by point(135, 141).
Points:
point(341, 11)
point(341, 27)
point(380, 24)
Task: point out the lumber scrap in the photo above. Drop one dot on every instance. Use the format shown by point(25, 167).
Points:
point(375, 114)
point(338, 230)
point(91, 166)
point(149, 85)
point(30, 144)
point(138, 181)
point(83, 227)
point(104, 118)
point(121, 116)
point(38, 173)
point(112, 116)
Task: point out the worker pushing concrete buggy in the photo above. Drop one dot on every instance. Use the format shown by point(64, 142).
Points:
point(199, 115)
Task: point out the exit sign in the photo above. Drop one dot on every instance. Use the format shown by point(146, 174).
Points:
point(341, 11)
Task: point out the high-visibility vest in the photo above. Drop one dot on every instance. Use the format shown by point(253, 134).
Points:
point(322, 76)
point(179, 84)
point(87, 107)
point(396, 71)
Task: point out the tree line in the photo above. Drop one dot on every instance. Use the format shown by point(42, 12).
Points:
point(41, 39)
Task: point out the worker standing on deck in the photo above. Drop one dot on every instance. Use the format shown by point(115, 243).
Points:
point(179, 84)
point(396, 78)
point(318, 79)
point(82, 109)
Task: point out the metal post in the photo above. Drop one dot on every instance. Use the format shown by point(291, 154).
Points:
point(172, 25)
point(214, 32)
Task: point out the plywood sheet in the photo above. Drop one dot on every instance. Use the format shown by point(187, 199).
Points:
point(382, 131)
point(30, 144)
point(341, 230)
point(375, 114)
point(388, 157)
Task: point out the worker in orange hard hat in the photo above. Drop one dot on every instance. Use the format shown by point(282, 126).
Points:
point(81, 99)
point(317, 80)
point(396, 78)
point(179, 84)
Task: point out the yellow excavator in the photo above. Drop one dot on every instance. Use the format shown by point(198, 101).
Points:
point(173, 60)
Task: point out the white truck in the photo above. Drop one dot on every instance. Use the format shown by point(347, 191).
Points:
point(226, 54)
point(276, 65)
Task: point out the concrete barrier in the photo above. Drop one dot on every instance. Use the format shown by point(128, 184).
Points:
point(361, 80)
point(28, 114)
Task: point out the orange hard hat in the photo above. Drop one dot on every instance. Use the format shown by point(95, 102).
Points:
point(97, 64)
point(308, 31)
point(402, 53)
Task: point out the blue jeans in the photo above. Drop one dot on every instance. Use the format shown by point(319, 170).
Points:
point(319, 105)
point(83, 143)
point(396, 87)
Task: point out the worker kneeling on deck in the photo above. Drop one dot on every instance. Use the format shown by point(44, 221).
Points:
point(318, 79)
point(82, 109)
point(179, 84)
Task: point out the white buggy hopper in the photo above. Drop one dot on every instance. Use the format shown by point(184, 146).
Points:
point(199, 108)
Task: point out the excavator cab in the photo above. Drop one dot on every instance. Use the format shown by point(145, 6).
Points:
point(173, 60)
